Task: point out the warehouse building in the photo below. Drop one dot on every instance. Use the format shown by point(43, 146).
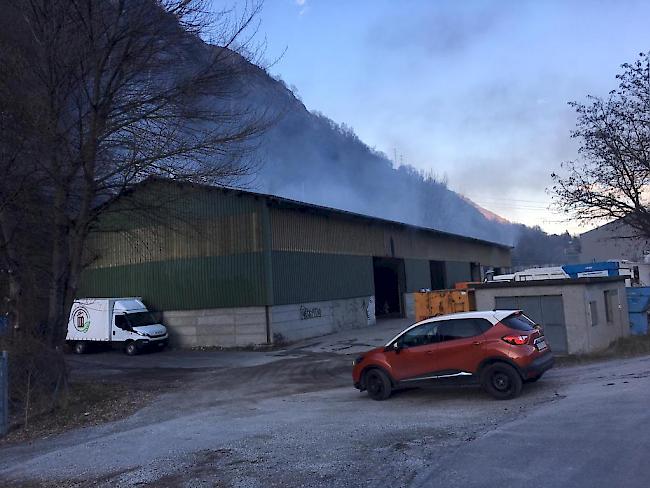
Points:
point(233, 268)
point(614, 240)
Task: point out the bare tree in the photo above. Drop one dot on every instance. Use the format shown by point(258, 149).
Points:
point(99, 96)
point(19, 118)
point(611, 177)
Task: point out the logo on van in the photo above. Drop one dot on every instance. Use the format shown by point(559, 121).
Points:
point(81, 319)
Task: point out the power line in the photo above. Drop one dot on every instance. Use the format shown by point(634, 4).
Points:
point(509, 206)
point(511, 200)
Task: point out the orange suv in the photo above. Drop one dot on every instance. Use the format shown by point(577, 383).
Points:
point(501, 348)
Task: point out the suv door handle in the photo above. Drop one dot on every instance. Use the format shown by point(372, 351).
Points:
point(478, 343)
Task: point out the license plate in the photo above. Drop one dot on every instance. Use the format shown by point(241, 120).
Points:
point(540, 344)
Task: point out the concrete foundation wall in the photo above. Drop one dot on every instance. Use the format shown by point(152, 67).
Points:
point(301, 321)
point(245, 326)
point(582, 336)
point(226, 327)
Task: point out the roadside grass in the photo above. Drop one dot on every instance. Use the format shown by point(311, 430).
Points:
point(87, 404)
point(625, 347)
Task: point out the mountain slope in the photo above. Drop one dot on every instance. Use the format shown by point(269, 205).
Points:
point(306, 156)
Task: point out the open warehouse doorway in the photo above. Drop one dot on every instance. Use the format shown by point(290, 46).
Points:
point(438, 277)
point(389, 278)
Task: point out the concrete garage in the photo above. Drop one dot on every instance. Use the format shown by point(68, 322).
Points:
point(234, 268)
point(579, 316)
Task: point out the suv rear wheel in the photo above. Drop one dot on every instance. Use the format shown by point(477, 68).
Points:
point(501, 380)
point(378, 384)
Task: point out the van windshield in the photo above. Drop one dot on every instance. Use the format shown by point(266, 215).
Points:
point(138, 319)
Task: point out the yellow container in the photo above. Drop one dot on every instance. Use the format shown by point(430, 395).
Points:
point(442, 302)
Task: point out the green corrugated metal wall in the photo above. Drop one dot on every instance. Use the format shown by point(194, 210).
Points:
point(294, 229)
point(184, 284)
point(190, 249)
point(168, 202)
point(189, 224)
point(418, 274)
point(206, 248)
point(304, 277)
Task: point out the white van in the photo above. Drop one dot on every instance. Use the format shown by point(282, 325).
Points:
point(122, 321)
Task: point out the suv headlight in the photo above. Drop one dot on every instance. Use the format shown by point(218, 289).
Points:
point(357, 360)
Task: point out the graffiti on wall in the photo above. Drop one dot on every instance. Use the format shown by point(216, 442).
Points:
point(310, 313)
point(369, 309)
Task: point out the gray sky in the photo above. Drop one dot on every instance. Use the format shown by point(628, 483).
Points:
point(476, 91)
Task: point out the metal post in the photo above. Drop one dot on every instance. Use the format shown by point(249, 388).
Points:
point(4, 393)
point(267, 251)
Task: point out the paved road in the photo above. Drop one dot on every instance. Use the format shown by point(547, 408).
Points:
point(294, 420)
point(345, 343)
point(597, 436)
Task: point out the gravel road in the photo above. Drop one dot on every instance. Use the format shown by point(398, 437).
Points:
point(291, 418)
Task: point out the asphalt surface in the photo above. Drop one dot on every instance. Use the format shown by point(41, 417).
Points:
point(597, 436)
point(291, 418)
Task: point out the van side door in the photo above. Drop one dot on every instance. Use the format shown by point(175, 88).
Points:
point(120, 329)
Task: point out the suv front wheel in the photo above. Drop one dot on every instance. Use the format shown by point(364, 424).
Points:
point(501, 380)
point(378, 384)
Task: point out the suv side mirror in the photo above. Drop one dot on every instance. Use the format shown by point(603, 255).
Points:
point(395, 346)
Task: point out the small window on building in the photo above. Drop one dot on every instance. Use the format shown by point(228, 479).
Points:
point(593, 308)
point(611, 304)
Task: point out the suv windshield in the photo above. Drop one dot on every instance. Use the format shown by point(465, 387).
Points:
point(519, 321)
point(138, 319)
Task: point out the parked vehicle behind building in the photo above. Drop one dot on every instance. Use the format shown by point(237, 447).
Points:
point(534, 274)
point(124, 322)
point(502, 349)
point(607, 268)
point(636, 274)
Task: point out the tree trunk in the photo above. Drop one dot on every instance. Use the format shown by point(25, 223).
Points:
point(12, 266)
point(59, 269)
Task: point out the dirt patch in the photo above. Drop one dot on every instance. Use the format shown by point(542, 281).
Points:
point(87, 404)
point(206, 467)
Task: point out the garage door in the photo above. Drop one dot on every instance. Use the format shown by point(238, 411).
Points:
point(547, 310)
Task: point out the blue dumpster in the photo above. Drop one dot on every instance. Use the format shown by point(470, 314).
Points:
point(638, 304)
